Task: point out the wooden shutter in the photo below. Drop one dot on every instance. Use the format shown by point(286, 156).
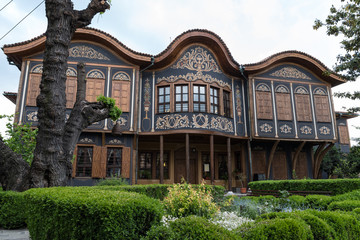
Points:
point(303, 108)
point(125, 164)
point(70, 91)
point(121, 94)
point(283, 106)
point(344, 135)
point(94, 88)
point(279, 166)
point(74, 163)
point(258, 162)
point(98, 166)
point(33, 89)
point(264, 105)
point(322, 108)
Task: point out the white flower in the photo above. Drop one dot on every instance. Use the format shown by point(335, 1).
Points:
point(229, 220)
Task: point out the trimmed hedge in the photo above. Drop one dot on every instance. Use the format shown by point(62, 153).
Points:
point(191, 227)
point(12, 210)
point(336, 186)
point(89, 213)
point(347, 205)
point(277, 228)
point(160, 191)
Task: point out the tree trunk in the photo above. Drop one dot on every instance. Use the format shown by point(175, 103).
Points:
point(56, 138)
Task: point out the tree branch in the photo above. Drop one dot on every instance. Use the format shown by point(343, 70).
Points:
point(14, 171)
point(84, 17)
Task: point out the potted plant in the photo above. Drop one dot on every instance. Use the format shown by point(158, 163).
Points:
point(241, 178)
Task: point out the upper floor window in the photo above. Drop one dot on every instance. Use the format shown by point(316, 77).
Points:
point(322, 107)
point(181, 98)
point(283, 103)
point(214, 100)
point(164, 99)
point(95, 84)
point(302, 103)
point(263, 101)
point(227, 105)
point(199, 100)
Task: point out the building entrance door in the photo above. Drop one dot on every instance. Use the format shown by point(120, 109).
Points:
point(180, 166)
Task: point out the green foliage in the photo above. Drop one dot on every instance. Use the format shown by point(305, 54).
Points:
point(114, 181)
point(331, 161)
point(89, 213)
point(191, 227)
point(345, 225)
point(277, 228)
point(347, 205)
point(353, 195)
point(12, 210)
point(336, 186)
point(185, 200)
point(319, 202)
point(344, 21)
point(20, 138)
point(114, 111)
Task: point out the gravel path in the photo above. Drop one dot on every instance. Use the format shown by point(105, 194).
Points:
point(18, 234)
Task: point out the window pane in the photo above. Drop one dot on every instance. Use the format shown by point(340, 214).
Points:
point(202, 108)
point(167, 98)
point(215, 100)
point(185, 107)
point(202, 89)
point(196, 98)
point(185, 89)
point(178, 89)
point(161, 99)
point(167, 90)
point(178, 97)
point(196, 89)
point(161, 91)
point(178, 107)
point(167, 108)
point(202, 98)
point(185, 97)
point(196, 107)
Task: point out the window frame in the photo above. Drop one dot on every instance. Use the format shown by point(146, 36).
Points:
point(199, 102)
point(164, 103)
point(214, 100)
point(86, 164)
point(227, 106)
point(113, 166)
point(182, 94)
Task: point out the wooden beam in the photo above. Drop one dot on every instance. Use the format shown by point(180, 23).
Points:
point(212, 170)
point(187, 152)
point(271, 157)
point(161, 159)
point(229, 164)
point(316, 156)
point(296, 155)
point(320, 158)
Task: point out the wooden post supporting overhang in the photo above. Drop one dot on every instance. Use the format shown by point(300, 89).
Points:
point(161, 159)
point(296, 156)
point(187, 157)
point(229, 164)
point(316, 157)
point(212, 165)
point(271, 157)
point(319, 159)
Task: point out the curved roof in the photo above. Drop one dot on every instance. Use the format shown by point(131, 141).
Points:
point(296, 57)
point(16, 52)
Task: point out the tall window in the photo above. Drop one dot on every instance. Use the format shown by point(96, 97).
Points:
point(164, 99)
point(181, 98)
point(84, 161)
point(166, 165)
point(263, 102)
point(114, 160)
point(302, 103)
point(283, 103)
point(321, 105)
point(199, 98)
point(145, 165)
point(214, 100)
point(226, 98)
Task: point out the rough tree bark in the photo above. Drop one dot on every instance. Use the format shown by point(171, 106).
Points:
point(56, 137)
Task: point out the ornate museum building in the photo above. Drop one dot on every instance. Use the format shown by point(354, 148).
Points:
point(192, 111)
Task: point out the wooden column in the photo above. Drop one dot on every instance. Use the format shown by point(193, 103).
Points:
point(271, 158)
point(187, 151)
point(212, 170)
point(161, 159)
point(296, 156)
point(229, 164)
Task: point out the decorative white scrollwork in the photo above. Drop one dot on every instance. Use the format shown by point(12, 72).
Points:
point(121, 76)
point(266, 128)
point(290, 72)
point(325, 130)
point(222, 124)
point(86, 140)
point(115, 141)
point(200, 121)
point(86, 52)
point(306, 130)
point(172, 122)
point(282, 89)
point(319, 91)
point(285, 129)
point(32, 116)
point(301, 90)
point(263, 87)
point(95, 73)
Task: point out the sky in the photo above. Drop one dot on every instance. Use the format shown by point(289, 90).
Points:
point(251, 29)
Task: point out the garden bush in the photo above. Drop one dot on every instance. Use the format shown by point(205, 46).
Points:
point(353, 195)
point(319, 202)
point(114, 181)
point(12, 210)
point(184, 200)
point(319, 228)
point(345, 225)
point(277, 228)
point(347, 205)
point(336, 186)
point(191, 227)
point(89, 213)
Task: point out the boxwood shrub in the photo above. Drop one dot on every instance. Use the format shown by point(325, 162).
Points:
point(89, 213)
point(347, 205)
point(12, 210)
point(191, 227)
point(160, 191)
point(336, 186)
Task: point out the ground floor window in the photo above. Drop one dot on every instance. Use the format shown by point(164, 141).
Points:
point(114, 160)
point(206, 174)
point(84, 161)
point(222, 167)
point(145, 160)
